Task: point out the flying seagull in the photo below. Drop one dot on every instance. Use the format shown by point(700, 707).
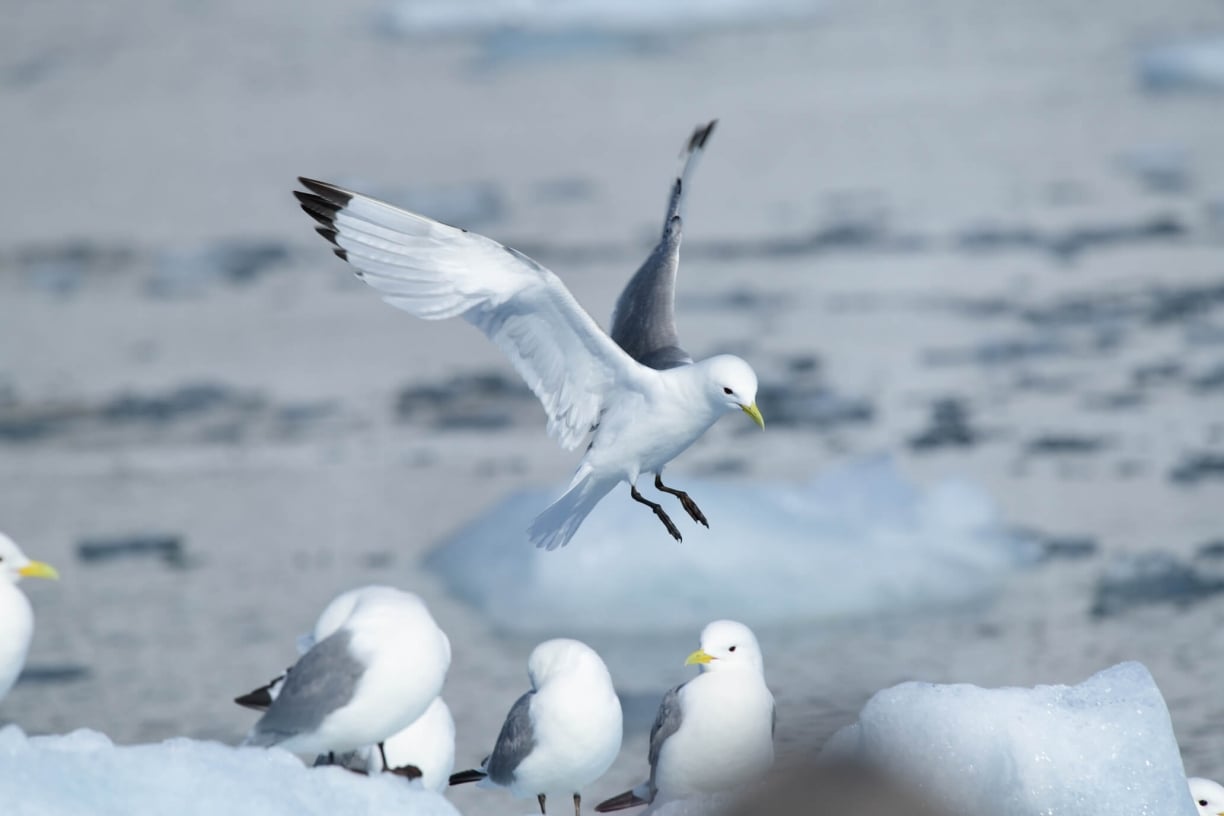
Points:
point(637, 393)
point(561, 735)
point(713, 733)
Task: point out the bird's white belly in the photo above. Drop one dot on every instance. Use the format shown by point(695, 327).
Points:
point(16, 628)
point(631, 440)
point(723, 744)
point(575, 745)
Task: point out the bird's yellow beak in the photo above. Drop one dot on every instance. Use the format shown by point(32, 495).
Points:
point(37, 569)
point(698, 657)
point(755, 413)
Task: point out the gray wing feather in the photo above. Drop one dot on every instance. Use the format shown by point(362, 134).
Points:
point(666, 723)
point(514, 743)
point(322, 681)
point(644, 322)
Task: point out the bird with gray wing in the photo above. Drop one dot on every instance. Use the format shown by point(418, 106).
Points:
point(560, 736)
point(373, 676)
point(638, 395)
point(713, 733)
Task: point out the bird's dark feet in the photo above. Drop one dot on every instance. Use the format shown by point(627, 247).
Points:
point(686, 502)
point(408, 772)
point(658, 511)
point(577, 804)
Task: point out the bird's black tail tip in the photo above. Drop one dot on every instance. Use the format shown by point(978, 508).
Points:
point(464, 777)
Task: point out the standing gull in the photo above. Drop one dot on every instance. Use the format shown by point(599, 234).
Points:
point(560, 736)
point(16, 616)
point(638, 394)
point(715, 732)
point(1208, 796)
point(371, 677)
point(424, 749)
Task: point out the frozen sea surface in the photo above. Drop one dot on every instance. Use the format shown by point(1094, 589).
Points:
point(855, 540)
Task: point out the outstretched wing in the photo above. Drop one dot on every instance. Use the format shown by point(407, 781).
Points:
point(436, 271)
point(644, 323)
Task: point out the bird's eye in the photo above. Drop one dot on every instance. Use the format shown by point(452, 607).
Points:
point(1203, 802)
point(732, 649)
point(728, 391)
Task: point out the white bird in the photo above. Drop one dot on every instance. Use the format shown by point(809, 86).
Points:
point(561, 735)
point(425, 749)
point(639, 394)
point(16, 615)
point(1208, 796)
point(715, 732)
point(375, 674)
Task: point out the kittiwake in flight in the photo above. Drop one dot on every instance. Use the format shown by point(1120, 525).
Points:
point(560, 736)
point(713, 733)
point(637, 393)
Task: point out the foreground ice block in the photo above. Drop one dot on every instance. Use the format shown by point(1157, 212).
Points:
point(83, 772)
point(1102, 748)
point(855, 540)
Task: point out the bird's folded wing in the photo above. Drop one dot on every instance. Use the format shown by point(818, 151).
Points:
point(436, 271)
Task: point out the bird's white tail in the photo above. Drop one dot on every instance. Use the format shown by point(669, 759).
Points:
point(560, 520)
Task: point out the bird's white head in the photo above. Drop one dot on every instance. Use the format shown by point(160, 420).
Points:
point(561, 656)
point(14, 565)
point(727, 645)
point(1208, 796)
point(733, 384)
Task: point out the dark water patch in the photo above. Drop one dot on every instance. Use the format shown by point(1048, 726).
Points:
point(1213, 550)
point(1190, 65)
point(190, 272)
point(483, 401)
point(1159, 168)
point(949, 426)
point(186, 401)
point(1004, 351)
point(53, 674)
point(805, 402)
point(1067, 244)
point(1209, 380)
point(1198, 467)
point(737, 299)
point(1155, 374)
point(1043, 546)
point(1150, 578)
point(1064, 444)
point(1115, 401)
point(164, 547)
point(63, 268)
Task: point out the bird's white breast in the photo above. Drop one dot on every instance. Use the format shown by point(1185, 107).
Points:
point(578, 729)
point(16, 628)
point(725, 738)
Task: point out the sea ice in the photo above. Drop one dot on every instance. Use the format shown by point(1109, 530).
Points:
point(1100, 748)
point(83, 772)
point(854, 540)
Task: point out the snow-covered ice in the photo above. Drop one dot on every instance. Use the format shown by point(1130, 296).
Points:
point(854, 540)
point(1105, 746)
point(84, 772)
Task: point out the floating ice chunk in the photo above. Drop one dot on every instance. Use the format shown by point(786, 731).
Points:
point(1101, 748)
point(854, 541)
point(83, 772)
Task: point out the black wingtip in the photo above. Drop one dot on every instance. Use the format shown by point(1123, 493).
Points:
point(336, 196)
point(257, 700)
point(342, 254)
point(701, 135)
point(627, 799)
point(464, 777)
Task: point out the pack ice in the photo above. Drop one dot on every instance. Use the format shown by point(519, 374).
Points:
point(1101, 748)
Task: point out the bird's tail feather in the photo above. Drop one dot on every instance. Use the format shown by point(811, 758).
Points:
point(560, 520)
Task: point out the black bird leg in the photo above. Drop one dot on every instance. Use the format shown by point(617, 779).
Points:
point(577, 804)
point(689, 505)
point(658, 511)
point(382, 752)
point(540, 799)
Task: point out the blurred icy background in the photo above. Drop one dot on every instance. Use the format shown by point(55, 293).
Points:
point(976, 251)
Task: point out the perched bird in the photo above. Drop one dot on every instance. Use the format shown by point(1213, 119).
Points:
point(376, 673)
point(638, 393)
point(1208, 796)
point(425, 749)
point(561, 735)
point(715, 732)
point(16, 616)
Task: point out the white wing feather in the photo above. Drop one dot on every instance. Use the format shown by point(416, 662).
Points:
point(436, 271)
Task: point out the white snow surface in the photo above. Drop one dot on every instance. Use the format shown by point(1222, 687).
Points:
point(1100, 748)
point(84, 772)
point(855, 540)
